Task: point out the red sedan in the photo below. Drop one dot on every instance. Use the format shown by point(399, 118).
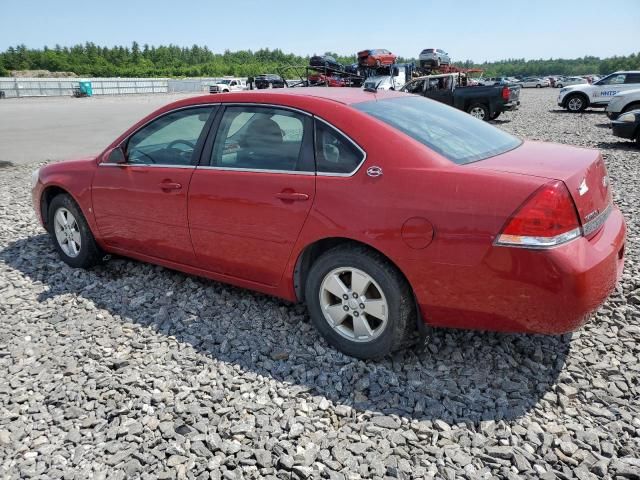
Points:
point(382, 211)
point(376, 58)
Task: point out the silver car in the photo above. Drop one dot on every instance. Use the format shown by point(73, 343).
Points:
point(566, 81)
point(433, 57)
point(534, 82)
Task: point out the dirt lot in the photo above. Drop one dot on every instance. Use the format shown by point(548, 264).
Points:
point(58, 128)
point(131, 370)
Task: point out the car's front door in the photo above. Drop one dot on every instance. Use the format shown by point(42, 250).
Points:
point(250, 198)
point(606, 88)
point(140, 200)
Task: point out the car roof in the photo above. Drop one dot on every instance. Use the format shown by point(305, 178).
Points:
point(346, 96)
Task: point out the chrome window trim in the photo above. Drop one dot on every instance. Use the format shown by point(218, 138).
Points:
point(256, 170)
point(152, 165)
point(266, 105)
point(364, 154)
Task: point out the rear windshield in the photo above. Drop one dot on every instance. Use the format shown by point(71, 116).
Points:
point(427, 50)
point(453, 134)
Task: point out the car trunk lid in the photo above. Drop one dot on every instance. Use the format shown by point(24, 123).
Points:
point(582, 171)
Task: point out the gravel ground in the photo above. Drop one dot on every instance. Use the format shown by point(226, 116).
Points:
point(132, 370)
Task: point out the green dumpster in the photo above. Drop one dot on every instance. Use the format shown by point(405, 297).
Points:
point(85, 89)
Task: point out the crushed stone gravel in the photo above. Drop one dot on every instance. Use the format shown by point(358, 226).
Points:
point(135, 371)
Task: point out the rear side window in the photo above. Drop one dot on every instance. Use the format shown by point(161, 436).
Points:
point(632, 78)
point(260, 138)
point(452, 133)
point(335, 153)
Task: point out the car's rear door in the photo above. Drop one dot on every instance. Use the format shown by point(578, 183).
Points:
point(140, 205)
point(251, 195)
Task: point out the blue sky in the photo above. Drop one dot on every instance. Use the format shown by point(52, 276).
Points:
point(479, 29)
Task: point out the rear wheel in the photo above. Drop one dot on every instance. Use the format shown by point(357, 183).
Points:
point(538, 86)
point(575, 103)
point(71, 235)
point(559, 85)
point(359, 302)
point(478, 110)
point(378, 63)
point(495, 115)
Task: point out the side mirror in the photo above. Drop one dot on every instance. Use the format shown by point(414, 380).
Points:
point(117, 156)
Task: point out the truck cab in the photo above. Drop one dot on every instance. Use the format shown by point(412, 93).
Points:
point(396, 78)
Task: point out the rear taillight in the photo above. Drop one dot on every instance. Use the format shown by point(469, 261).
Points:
point(506, 93)
point(546, 219)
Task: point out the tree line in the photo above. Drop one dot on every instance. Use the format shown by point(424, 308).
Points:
point(196, 61)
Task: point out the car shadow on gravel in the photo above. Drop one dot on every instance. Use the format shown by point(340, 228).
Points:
point(584, 112)
point(454, 376)
point(629, 145)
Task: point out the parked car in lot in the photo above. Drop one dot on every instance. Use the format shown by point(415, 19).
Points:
point(533, 82)
point(567, 81)
point(597, 95)
point(376, 58)
point(227, 85)
point(483, 102)
point(485, 231)
point(623, 102)
point(495, 81)
point(269, 80)
point(433, 58)
point(325, 61)
point(627, 125)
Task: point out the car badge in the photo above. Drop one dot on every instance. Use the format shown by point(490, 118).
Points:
point(583, 188)
point(374, 171)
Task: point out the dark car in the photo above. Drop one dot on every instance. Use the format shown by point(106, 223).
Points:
point(269, 80)
point(483, 102)
point(325, 61)
point(627, 125)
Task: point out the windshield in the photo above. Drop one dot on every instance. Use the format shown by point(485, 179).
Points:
point(225, 82)
point(453, 134)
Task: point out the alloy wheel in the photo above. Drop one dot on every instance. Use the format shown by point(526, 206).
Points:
point(477, 112)
point(353, 304)
point(67, 232)
point(575, 104)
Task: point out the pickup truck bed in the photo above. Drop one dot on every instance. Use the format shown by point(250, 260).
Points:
point(483, 102)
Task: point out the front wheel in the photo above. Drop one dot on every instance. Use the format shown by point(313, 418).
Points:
point(479, 111)
point(575, 103)
point(71, 235)
point(359, 302)
point(538, 86)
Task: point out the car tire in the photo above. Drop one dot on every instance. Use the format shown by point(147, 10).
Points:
point(479, 111)
point(390, 322)
point(575, 103)
point(495, 115)
point(538, 86)
point(559, 85)
point(71, 235)
point(225, 91)
point(378, 63)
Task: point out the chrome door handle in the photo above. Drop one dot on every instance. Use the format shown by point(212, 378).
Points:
point(292, 196)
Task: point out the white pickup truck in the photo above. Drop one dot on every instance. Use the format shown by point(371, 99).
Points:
point(597, 95)
point(228, 85)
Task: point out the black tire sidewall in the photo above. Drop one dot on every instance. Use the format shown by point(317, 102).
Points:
point(578, 97)
point(393, 293)
point(88, 250)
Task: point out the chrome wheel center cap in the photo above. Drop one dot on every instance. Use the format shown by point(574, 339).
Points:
point(353, 304)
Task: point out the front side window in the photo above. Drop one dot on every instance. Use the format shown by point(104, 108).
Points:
point(170, 139)
point(612, 79)
point(334, 152)
point(261, 138)
point(451, 133)
point(416, 86)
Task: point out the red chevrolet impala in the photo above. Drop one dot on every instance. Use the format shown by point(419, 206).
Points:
point(382, 211)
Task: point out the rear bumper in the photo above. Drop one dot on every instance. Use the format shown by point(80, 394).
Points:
point(515, 105)
point(531, 291)
point(624, 129)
